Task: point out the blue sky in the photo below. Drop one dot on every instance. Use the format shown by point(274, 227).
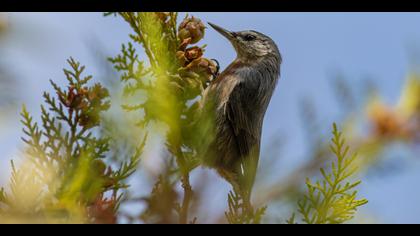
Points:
point(315, 47)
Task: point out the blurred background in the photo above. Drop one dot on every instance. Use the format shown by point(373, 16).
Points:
point(356, 69)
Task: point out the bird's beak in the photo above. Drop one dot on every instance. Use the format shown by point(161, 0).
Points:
point(228, 34)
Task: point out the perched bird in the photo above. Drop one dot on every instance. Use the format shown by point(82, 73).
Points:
point(237, 101)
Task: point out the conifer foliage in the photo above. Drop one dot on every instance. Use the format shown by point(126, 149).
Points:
point(67, 173)
point(333, 199)
point(178, 73)
point(64, 175)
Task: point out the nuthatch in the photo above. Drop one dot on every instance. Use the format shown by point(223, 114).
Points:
point(238, 99)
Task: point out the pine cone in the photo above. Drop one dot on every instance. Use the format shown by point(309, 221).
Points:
point(193, 53)
point(191, 28)
point(202, 66)
point(184, 44)
point(180, 55)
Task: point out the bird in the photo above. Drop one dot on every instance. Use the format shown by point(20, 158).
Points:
point(237, 100)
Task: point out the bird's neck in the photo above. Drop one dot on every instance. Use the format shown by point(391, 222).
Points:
point(238, 64)
point(246, 65)
point(257, 65)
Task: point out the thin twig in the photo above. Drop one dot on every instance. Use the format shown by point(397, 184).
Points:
point(188, 193)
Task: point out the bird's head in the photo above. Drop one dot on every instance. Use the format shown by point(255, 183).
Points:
point(249, 44)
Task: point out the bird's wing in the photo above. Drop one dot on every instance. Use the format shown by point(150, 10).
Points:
point(239, 116)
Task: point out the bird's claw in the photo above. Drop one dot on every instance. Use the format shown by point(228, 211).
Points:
point(216, 73)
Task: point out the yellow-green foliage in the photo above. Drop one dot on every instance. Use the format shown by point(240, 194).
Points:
point(64, 175)
point(174, 75)
point(237, 214)
point(333, 199)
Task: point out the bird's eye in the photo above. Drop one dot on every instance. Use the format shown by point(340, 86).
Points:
point(249, 37)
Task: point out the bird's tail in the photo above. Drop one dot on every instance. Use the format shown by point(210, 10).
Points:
point(243, 177)
point(249, 166)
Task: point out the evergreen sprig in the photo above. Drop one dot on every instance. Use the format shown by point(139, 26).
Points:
point(239, 214)
point(161, 84)
point(64, 168)
point(333, 199)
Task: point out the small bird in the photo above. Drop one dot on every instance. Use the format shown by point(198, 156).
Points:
point(237, 100)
